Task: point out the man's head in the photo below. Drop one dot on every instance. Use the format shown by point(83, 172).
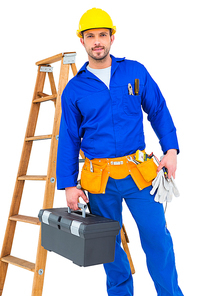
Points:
point(96, 32)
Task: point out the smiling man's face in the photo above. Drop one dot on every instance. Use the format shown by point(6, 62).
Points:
point(97, 43)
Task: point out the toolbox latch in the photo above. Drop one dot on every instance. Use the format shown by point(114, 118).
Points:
point(74, 228)
point(45, 217)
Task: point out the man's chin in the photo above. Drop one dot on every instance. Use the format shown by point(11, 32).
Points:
point(99, 56)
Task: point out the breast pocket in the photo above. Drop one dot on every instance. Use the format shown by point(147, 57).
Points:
point(132, 104)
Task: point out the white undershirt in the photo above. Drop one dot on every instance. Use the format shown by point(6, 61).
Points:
point(102, 74)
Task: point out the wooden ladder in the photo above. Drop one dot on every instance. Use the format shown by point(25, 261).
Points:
point(44, 67)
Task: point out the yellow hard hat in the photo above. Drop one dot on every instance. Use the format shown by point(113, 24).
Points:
point(93, 19)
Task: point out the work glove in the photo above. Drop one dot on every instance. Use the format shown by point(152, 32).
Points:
point(165, 188)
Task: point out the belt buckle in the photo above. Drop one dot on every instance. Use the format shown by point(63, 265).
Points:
point(117, 162)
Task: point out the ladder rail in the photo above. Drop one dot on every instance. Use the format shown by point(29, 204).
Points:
point(19, 185)
point(50, 187)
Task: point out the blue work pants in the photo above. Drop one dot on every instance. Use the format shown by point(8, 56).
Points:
point(155, 238)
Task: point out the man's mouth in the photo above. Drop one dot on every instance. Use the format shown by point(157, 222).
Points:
point(98, 49)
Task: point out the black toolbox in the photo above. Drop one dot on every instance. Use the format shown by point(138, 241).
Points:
point(84, 238)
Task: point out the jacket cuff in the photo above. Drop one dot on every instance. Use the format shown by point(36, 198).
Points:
point(64, 182)
point(169, 141)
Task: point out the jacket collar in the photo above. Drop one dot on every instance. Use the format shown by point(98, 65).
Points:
point(115, 64)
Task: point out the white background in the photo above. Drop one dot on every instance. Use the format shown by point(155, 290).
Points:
point(159, 34)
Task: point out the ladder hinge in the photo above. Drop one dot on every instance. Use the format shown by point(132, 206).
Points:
point(46, 69)
point(69, 58)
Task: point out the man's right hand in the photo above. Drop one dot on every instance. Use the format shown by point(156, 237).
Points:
point(72, 197)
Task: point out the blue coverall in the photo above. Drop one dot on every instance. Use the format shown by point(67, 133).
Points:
point(108, 123)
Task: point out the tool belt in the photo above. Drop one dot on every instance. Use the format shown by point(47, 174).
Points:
point(95, 172)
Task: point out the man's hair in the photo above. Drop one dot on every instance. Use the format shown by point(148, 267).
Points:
point(110, 32)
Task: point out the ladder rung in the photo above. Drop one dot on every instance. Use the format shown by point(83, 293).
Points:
point(26, 219)
point(44, 99)
point(36, 138)
point(41, 94)
point(19, 262)
point(34, 178)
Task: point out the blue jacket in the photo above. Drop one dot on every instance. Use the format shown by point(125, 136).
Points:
point(108, 123)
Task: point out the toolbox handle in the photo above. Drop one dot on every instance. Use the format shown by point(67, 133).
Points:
point(80, 206)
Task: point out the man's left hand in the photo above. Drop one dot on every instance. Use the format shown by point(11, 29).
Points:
point(170, 162)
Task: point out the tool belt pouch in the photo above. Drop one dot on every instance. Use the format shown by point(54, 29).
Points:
point(93, 182)
point(148, 170)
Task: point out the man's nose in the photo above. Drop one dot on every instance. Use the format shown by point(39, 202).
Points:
point(97, 42)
